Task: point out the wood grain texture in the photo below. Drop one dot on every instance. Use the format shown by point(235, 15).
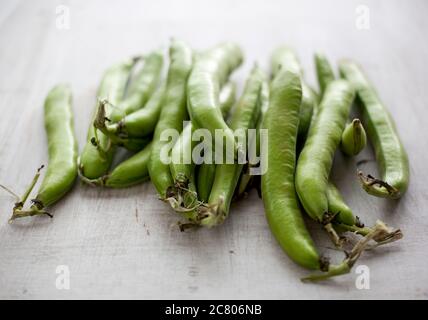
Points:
point(124, 243)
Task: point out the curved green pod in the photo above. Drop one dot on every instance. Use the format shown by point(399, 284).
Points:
point(62, 149)
point(183, 172)
point(173, 113)
point(210, 73)
point(206, 171)
point(226, 178)
point(278, 191)
point(247, 180)
point(390, 153)
point(316, 158)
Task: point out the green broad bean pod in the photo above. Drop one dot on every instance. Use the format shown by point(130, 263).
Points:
point(183, 169)
point(172, 115)
point(62, 149)
point(316, 158)
point(278, 192)
point(247, 181)
point(210, 73)
point(226, 178)
point(206, 171)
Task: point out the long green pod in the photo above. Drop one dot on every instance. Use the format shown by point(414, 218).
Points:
point(95, 160)
point(247, 180)
point(206, 171)
point(325, 73)
point(316, 158)
point(344, 219)
point(141, 87)
point(278, 192)
point(336, 203)
point(130, 172)
point(244, 117)
point(172, 115)
point(210, 73)
point(62, 149)
point(182, 170)
point(354, 138)
point(284, 58)
point(390, 153)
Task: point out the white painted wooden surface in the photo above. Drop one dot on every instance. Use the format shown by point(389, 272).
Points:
point(124, 243)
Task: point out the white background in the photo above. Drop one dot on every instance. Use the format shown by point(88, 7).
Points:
point(124, 243)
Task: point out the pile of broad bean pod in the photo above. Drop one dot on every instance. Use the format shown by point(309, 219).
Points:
point(137, 104)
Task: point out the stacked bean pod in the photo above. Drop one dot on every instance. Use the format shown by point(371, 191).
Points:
point(170, 124)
